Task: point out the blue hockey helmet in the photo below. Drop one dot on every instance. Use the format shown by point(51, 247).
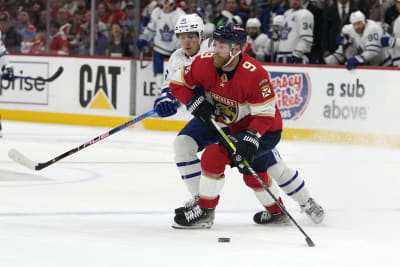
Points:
point(231, 33)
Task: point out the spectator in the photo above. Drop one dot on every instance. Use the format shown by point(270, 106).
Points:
point(34, 11)
point(336, 16)
point(71, 6)
point(269, 12)
point(59, 44)
point(103, 12)
point(39, 46)
point(117, 15)
point(231, 13)
point(208, 26)
point(315, 55)
point(377, 10)
point(11, 38)
point(117, 47)
point(391, 14)
point(24, 27)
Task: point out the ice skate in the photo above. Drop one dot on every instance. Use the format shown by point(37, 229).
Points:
point(264, 217)
point(194, 218)
point(313, 210)
point(191, 203)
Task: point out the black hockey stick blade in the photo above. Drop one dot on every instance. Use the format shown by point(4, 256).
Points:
point(55, 75)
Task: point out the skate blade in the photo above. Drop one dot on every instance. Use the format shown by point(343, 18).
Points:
point(196, 226)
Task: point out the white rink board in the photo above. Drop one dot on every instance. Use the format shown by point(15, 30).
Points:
point(86, 86)
point(359, 101)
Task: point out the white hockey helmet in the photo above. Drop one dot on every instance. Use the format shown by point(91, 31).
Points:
point(356, 17)
point(278, 20)
point(190, 23)
point(253, 23)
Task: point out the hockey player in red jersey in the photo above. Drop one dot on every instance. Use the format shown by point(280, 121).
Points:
point(240, 88)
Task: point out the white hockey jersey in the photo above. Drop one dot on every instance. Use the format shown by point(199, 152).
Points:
point(365, 47)
point(179, 59)
point(395, 50)
point(259, 46)
point(162, 28)
point(3, 53)
point(297, 32)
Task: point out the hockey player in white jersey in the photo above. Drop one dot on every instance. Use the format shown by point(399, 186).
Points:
point(274, 34)
point(195, 136)
point(161, 28)
point(257, 42)
point(297, 34)
point(393, 42)
point(360, 44)
point(189, 30)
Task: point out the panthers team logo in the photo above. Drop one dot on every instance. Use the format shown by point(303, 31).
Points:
point(166, 34)
point(228, 107)
point(292, 91)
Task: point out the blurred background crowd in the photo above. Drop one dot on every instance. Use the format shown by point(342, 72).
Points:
point(62, 27)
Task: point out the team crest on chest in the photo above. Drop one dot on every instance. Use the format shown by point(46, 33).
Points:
point(228, 107)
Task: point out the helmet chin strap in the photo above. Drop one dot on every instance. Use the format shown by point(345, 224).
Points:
point(231, 57)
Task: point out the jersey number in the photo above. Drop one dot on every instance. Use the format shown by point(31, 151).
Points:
point(307, 25)
point(372, 37)
point(248, 66)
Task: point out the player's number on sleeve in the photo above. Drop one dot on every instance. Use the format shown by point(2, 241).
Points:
point(307, 25)
point(372, 37)
point(206, 55)
point(248, 66)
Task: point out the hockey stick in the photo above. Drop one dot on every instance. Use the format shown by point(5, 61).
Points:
point(50, 79)
point(23, 160)
point(226, 138)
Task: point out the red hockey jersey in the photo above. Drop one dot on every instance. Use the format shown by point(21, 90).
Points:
point(246, 99)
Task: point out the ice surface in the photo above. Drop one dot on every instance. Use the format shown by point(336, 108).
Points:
point(112, 204)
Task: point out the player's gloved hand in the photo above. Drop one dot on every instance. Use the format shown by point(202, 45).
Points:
point(387, 41)
point(7, 73)
point(140, 43)
point(166, 105)
point(202, 109)
point(344, 40)
point(352, 63)
point(273, 34)
point(246, 143)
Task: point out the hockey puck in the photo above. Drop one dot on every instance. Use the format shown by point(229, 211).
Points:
point(224, 239)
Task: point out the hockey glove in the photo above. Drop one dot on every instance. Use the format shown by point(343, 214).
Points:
point(140, 43)
point(166, 105)
point(246, 143)
point(344, 40)
point(8, 73)
point(202, 109)
point(273, 35)
point(387, 41)
point(352, 63)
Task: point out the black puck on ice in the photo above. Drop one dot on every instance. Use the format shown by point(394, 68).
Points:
point(224, 239)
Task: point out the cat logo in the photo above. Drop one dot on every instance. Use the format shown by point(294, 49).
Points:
point(228, 107)
point(98, 86)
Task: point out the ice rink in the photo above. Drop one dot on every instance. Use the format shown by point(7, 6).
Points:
point(112, 204)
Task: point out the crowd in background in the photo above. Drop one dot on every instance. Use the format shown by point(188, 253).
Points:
point(23, 22)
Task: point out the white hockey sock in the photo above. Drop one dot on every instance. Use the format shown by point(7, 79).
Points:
point(265, 199)
point(188, 163)
point(290, 182)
